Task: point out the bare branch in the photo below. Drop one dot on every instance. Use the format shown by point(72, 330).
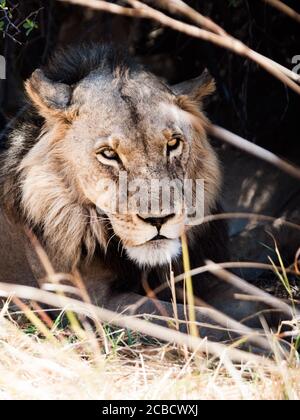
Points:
point(193, 15)
point(254, 217)
point(232, 265)
point(205, 23)
point(254, 150)
point(206, 268)
point(238, 283)
point(284, 8)
point(178, 6)
point(141, 10)
point(108, 7)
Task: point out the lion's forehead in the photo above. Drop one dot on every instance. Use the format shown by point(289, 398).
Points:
point(137, 99)
point(132, 119)
point(138, 113)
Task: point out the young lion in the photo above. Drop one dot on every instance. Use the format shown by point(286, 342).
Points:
point(91, 114)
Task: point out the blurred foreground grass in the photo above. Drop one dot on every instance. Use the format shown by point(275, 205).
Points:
point(134, 367)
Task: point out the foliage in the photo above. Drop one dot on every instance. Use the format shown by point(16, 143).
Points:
point(13, 24)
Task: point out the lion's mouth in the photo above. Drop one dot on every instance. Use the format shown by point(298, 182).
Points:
point(158, 238)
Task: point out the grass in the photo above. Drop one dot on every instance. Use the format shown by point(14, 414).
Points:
point(73, 357)
point(34, 368)
point(76, 361)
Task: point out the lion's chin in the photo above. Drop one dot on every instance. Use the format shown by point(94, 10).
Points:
point(156, 253)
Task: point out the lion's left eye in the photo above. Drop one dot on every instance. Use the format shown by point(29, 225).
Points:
point(173, 144)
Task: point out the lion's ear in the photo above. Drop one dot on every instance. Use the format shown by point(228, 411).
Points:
point(196, 89)
point(51, 99)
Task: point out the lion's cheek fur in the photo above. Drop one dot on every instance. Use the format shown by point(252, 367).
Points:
point(53, 205)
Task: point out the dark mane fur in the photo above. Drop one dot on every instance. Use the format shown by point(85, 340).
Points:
point(71, 65)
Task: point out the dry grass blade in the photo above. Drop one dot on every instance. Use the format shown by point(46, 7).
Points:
point(144, 327)
point(284, 8)
point(189, 287)
point(35, 320)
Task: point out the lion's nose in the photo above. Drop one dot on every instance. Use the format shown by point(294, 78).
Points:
point(158, 222)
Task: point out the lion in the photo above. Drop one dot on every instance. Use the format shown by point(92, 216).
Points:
point(92, 113)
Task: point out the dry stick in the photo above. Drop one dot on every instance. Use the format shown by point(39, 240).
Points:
point(253, 149)
point(232, 44)
point(144, 327)
point(238, 283)
point(108, 7)
point(178, 6)
point(79, 284)
point(151, 295)
point(297, 259)
point(205, 269)
point(232, 325)
point(232, 265)
point(214, 314)
point(289, 73)
point(284, 8)
point(277, 221)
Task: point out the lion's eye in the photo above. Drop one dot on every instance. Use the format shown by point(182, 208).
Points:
point(173, 144)
point(109, 154)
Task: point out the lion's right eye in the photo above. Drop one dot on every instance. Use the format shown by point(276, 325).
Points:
point(108, 154)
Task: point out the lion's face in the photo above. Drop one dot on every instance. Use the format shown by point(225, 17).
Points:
point(138, 129)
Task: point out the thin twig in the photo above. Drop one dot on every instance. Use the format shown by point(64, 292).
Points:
point(253, 149)
point(254, 217)
point(233, 265)
point(199, 19)
point(178, 6)
point(231, 324)
point(206, 268)
point(284, 8)
point(237, 282)
point(224, 40)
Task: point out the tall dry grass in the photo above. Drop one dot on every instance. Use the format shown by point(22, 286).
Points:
point(34, 368)
point(89, 353)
